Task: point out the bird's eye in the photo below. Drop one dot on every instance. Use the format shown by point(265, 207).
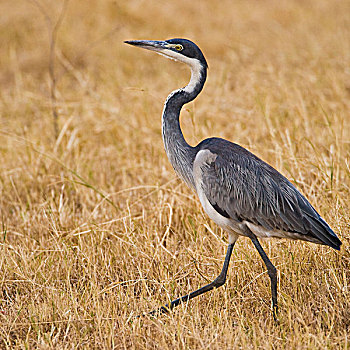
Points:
point(178, 47)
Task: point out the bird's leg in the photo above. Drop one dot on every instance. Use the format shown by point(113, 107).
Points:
point(218, 282)
point(271, 269)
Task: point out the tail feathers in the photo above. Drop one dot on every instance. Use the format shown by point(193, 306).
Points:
point(316, 225)
point(320, 229)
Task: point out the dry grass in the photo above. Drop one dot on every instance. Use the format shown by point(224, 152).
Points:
point(95, 227)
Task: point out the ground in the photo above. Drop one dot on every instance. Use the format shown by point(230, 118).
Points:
point(95, 226)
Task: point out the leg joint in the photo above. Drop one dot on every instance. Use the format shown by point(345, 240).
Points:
point(219, 281)
point(272, 271)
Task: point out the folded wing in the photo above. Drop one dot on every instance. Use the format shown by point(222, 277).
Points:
point(242, 187)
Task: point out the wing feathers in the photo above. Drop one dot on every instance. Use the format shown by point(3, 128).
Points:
point(244, 188)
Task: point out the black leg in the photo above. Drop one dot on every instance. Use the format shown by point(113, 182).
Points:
point(218, 282)
point(272, 273)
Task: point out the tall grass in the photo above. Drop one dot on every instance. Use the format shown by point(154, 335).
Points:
point(95, 226)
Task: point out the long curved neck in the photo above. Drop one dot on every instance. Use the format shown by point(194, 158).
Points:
point(181, 155)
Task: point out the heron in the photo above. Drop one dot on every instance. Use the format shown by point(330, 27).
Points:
point(241, 193)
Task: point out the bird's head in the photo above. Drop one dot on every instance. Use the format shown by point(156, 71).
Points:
point(182, 50)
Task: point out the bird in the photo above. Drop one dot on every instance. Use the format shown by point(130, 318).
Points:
point(241, 193)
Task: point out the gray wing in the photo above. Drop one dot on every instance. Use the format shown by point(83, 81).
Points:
point(242, 187)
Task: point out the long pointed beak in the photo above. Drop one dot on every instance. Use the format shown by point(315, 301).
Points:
point(153, 45)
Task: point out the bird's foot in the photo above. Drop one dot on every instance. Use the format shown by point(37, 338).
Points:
point(162, 310)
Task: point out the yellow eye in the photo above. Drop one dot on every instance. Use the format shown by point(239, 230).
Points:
point(178, 47)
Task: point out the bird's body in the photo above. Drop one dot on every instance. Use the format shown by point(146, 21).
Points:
point(239, 192)
point(245, 190)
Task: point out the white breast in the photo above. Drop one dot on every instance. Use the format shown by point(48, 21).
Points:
point(203, 157)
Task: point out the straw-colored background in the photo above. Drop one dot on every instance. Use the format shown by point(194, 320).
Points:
point(95, 226)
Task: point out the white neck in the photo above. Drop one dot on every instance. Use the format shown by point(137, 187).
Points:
point(193, 63)
point(196, 73)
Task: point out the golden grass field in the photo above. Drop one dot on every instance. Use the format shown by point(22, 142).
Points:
point(95, 226)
